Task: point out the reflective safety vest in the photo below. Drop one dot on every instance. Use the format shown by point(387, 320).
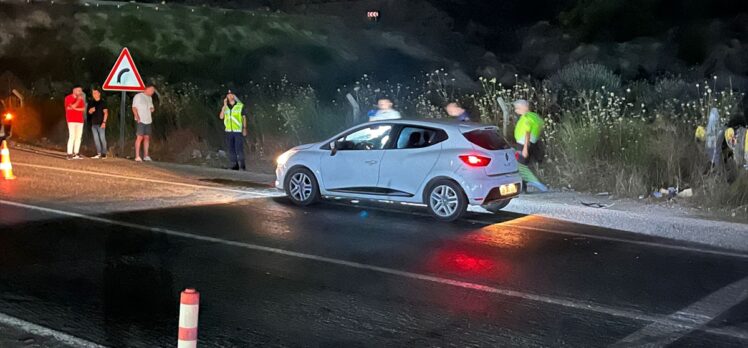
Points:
point(529, 122)
point(232, 118)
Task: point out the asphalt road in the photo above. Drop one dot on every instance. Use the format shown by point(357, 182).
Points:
point(99, 251)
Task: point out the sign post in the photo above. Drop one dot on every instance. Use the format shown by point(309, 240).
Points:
point(122, 113)
point(123, 77)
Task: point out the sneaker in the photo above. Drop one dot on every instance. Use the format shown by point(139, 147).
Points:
point(138, 159)
point(147, 159)
point(77, 157)
point(69, 157)
point(103, 156)
point(96, 157)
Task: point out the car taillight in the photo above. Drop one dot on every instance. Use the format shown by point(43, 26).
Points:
point(475, 160)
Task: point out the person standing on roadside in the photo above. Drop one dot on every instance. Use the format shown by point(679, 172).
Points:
point(455, 110)
point(142, 109)
point(98, 114)
point(235, 125)
point(384, 111)
point(529, 145)
point(75, 106)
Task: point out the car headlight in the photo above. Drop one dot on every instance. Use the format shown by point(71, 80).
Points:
point(283, 158)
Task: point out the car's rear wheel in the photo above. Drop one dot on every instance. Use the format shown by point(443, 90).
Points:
point(496, 206)
point(301, 187)
point(446, 200)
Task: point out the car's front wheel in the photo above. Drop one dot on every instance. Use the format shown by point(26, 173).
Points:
point(446, 200)
point(301, 187)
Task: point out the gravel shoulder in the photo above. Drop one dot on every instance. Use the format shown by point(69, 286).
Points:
point(661, 219)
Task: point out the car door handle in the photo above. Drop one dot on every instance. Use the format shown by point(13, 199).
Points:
point(371, 162)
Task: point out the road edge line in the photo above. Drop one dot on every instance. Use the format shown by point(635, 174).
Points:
point(157, 181)
point(39, 330)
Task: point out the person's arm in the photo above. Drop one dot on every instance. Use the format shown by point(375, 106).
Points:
point(81, 107)
point(135, 102)
point(106, 115)
point(526, 147)
point(223, 109)
point(135, 111)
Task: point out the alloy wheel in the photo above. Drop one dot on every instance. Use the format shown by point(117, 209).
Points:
point(300, 187)
point(444, 201)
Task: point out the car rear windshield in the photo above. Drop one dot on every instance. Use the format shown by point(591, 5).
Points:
point(489, 139)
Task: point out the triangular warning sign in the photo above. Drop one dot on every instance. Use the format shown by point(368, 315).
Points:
point(124, 75)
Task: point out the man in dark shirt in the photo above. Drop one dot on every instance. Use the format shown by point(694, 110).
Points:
point(98, 114)
point(455, 110)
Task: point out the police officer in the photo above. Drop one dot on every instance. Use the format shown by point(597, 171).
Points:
point(527, 135)
point(235, 124)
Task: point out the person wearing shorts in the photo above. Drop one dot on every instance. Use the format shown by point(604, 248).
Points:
point(142, 109)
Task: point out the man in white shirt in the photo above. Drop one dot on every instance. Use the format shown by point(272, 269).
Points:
point(142, 109)
point(385, 111)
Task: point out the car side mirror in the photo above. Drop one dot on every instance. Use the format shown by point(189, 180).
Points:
point(333, 148)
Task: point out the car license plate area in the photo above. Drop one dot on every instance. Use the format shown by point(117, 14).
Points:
point(508, 190)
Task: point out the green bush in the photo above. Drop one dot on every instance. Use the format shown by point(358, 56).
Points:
point(587, 77)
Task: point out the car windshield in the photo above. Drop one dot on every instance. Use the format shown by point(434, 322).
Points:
point(489, 139)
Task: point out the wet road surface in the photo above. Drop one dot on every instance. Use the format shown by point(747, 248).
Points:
point(79, 258)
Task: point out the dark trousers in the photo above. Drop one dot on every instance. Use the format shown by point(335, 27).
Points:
point(235, 142)
point(536, 152)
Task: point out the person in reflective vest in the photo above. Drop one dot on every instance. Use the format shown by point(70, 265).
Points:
point(529, 145)
point(235, 124)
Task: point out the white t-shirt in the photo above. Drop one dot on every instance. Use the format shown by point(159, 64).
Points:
point(385, 115)
point(143, 104)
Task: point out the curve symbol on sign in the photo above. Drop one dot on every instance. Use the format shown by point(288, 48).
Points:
point(119, 76)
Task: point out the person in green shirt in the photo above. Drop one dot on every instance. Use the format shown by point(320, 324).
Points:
point(527, 134)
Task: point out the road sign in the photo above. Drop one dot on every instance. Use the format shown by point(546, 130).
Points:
point(124, 75)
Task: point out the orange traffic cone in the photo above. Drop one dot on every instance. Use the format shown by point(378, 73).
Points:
point(5, 165)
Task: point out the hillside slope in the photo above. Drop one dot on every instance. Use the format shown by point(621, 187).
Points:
point(47, 44)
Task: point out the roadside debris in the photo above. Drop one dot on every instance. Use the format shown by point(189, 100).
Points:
point(670, 193)
point(685, 193)
point(597, 204)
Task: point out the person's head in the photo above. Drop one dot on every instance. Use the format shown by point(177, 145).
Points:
point(231, 97)
point(77, 90)
point(454, 109)
point(521, 106)
point(384, 103)
point(149, 90)
point(96, 94)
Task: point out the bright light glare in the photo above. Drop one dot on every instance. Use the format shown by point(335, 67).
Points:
point(282, 159)
point(8, 116)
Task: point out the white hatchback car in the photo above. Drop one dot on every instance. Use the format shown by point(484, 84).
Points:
point(444, 165)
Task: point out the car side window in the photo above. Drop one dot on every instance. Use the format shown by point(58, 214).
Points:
point(416, 137)
point(369, 138)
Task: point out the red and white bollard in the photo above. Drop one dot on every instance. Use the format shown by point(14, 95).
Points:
point(189, 304)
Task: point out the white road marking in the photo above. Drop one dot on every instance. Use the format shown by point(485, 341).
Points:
point(572, 234)
point(636, 242)
point(250, 194)
point(698, 314)
point(39, 330)
point(574, 304)
point(155, 181)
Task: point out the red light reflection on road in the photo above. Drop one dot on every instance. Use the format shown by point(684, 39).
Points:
point(463, 263)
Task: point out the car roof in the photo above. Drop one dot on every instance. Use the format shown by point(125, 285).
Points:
point(438, 123)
